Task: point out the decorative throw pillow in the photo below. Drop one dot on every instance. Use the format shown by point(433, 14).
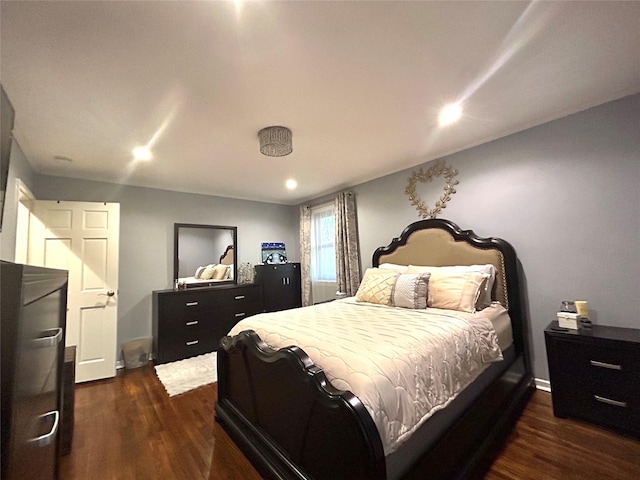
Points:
point(377, 286)
point(207, 274)
point(411, 290)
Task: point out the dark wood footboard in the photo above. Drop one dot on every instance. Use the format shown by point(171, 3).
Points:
point(288, 419)
point(292, 424)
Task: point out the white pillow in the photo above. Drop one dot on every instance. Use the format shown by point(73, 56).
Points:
point(394, 267)
point(456, 290)
point(484, 300)
point(199, 271)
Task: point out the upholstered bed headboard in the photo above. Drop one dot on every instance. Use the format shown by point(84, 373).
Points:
point(227, 258)
point(440, 242)
point(438, 247)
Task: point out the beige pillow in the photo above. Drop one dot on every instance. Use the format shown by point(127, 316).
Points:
point(220, 272)
point(207, 274)
point(484, 299)
point(455, 290)
point(377, 286)
point(410, 291)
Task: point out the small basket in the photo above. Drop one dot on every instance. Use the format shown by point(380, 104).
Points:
point(136, 352)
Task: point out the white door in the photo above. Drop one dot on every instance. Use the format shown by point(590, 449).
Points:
point(82, 237)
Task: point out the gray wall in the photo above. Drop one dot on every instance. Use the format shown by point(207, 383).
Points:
point(147, 217)
point(565, 194)
point(18, 168)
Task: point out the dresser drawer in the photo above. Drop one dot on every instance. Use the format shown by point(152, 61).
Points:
point(188, 303)
point(583, 359)
point(609, 404)
point(189, 323)
point(239, 296)
point(181, 348)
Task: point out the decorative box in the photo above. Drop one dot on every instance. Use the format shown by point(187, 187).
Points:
point(568, 320)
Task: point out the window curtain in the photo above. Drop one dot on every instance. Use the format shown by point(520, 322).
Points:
point(305, 254)
point(347, 250)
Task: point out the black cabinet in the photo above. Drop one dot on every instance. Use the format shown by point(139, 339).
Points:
point(191, 322)
point(281, 285)
point(34, 309)
point(595, 375)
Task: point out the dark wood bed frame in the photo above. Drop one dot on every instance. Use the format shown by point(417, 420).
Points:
point(292, 424)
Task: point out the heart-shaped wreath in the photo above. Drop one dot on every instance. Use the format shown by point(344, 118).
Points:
point(436, 170)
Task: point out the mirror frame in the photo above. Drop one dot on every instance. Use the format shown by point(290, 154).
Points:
point(176, 239)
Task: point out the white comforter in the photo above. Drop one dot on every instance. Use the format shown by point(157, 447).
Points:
point(403, 364)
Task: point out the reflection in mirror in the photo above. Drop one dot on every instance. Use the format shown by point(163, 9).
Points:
point(205, 255)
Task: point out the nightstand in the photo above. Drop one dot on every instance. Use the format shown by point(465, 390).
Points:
point(595, 375)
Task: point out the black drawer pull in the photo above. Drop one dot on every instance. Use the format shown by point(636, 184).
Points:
point(191, 304)
point(610, 366)
point(239, 297)
point(195, 322)
point(194, 342)
point(608, 401)
point(241, 314)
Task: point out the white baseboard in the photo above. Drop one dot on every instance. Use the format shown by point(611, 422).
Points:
point(542, 384)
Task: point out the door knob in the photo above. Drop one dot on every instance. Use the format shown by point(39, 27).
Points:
point(110, 293)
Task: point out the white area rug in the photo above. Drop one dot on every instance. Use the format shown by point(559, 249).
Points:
point(184, 375)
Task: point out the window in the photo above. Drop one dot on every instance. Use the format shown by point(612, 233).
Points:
point(323, 244)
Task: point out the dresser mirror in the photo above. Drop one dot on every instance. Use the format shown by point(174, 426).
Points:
point(204, 255)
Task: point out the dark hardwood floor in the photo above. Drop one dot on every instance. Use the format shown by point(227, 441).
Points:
point(129, 428)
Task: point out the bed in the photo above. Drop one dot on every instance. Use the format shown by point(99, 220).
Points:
point(293, 422)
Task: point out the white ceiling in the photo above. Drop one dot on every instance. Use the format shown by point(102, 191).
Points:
point(359, 84)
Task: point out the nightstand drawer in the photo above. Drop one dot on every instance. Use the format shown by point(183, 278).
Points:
point(611, 405)
point(575, 358)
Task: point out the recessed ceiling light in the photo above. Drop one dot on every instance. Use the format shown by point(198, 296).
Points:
point(142, 153)
point(451, 113)
point(291, 184)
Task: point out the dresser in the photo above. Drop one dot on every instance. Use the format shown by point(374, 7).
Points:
point(595, 375)
point(32, 335)
point(191, 322)
point(281, 285)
